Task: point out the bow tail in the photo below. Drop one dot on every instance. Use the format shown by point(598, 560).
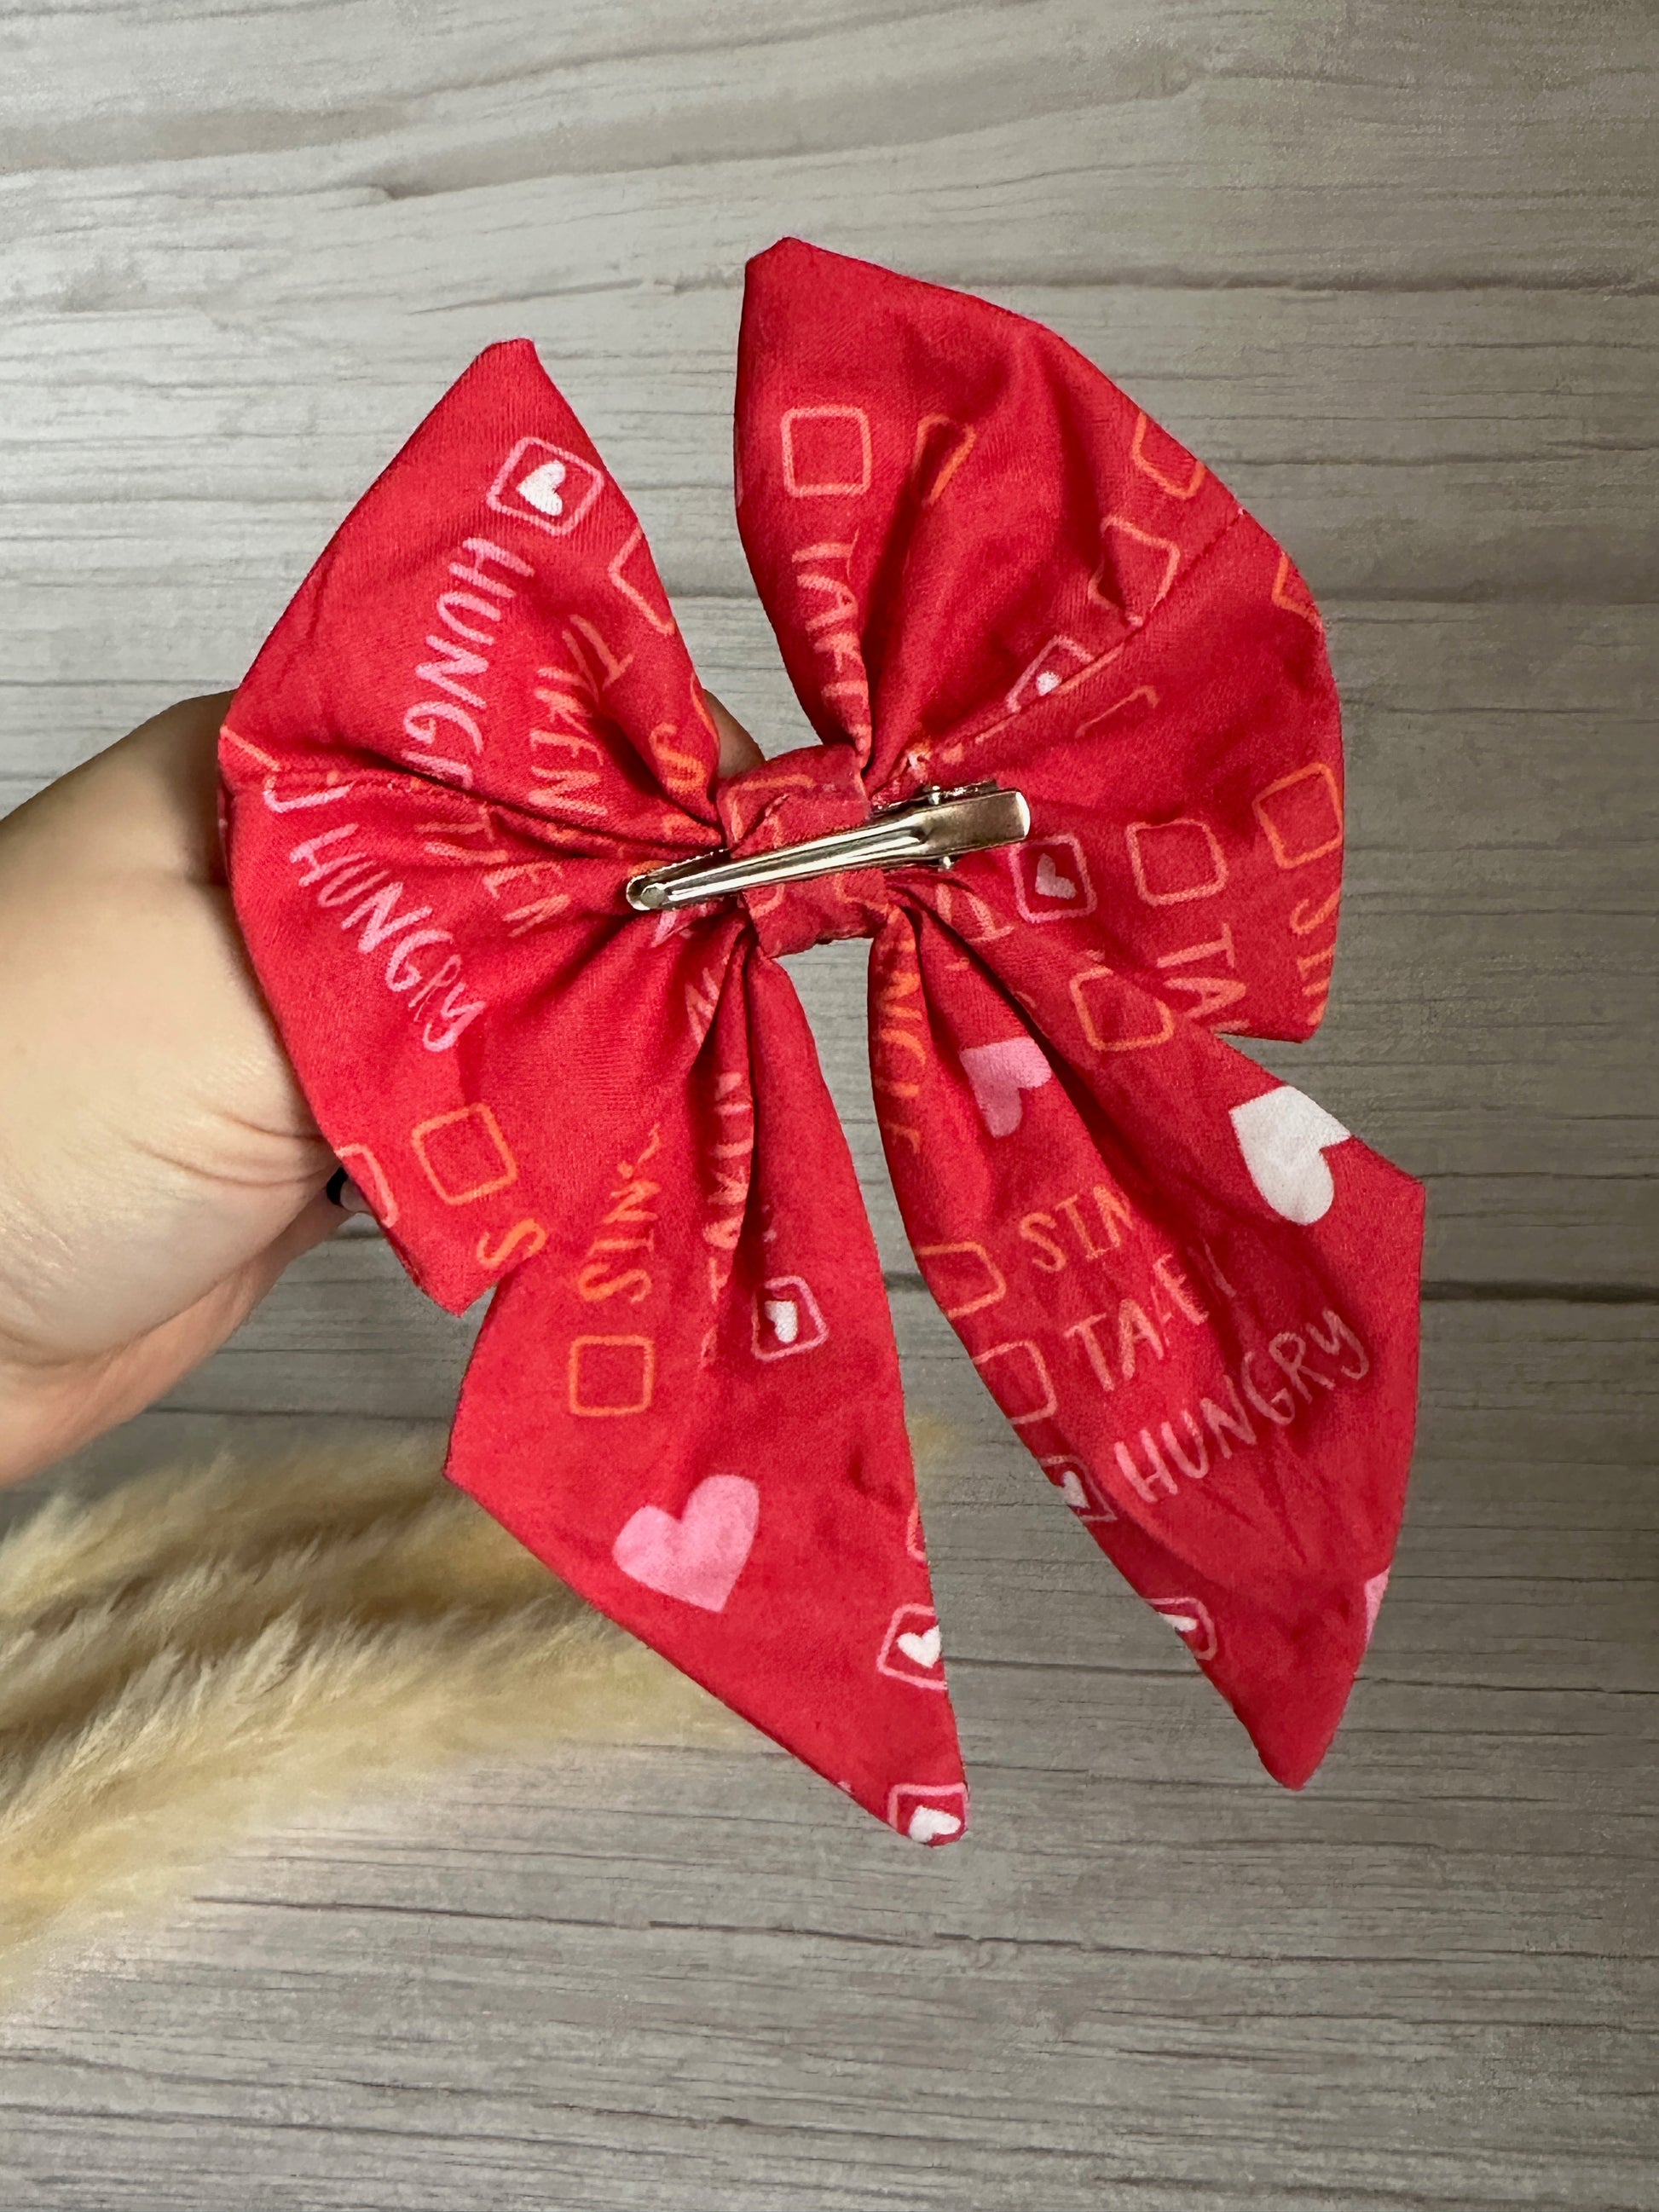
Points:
point(693, 1415)
point(1191, 1291)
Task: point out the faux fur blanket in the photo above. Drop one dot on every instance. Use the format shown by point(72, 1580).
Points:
point(202, 1653)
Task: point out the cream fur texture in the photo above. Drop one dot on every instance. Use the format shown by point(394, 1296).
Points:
point(203, 1652)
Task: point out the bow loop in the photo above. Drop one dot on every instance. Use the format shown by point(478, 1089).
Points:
point(953, 518)
point(981, 558)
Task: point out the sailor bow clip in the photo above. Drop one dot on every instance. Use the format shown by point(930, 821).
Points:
point(523, 947)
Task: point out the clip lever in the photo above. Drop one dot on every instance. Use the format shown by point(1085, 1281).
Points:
point(933, 830)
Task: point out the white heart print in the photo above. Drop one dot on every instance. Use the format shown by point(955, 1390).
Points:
point(1283, 1135)
point(1192, 1621)
point(923, 1649)
point(784, 1315)
point(915, 1809)
point(540, 489)
point(541, 484)
point(1051, 879)
point(787, 1318)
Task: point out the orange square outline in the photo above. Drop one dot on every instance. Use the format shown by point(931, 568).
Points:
point(1047, 1410)
point(828, 489)
point(1115, 1044)
point(990, 1298)
point(1218, 882)
point(1286, 860)
point(648, 1373)
point(1139, 455)
point(943, 474)
point(465, 1114)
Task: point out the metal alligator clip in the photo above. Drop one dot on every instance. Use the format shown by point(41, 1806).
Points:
point(931, 831)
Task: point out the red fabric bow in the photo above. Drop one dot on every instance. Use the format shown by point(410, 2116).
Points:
point(1192, 1292)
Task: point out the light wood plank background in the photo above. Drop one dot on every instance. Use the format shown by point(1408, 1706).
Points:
point(1391, 269)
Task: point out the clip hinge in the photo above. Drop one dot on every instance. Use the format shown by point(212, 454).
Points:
point(931, 831)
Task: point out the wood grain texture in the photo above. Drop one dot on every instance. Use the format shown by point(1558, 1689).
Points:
point(1391, 271)
point(688, 1981)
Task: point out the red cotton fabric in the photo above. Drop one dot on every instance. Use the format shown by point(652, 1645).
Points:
point(1191, 1291)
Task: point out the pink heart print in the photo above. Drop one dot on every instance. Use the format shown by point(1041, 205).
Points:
point(698, 1557)
point(1050, 882)
point(998, 1072)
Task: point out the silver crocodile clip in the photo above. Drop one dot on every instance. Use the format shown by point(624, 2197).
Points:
point(931, 831)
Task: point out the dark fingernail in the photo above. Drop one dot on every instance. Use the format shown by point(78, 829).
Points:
point(345, 1195)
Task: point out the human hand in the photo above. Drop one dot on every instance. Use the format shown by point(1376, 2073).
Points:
point(159, 1167)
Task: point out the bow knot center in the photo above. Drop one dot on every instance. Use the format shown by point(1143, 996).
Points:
point(809, 792)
